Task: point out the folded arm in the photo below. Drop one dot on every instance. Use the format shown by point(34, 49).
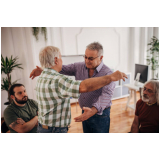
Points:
point(25, 127)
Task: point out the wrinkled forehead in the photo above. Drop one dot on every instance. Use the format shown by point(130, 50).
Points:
point(149, 86)
point(91, 53)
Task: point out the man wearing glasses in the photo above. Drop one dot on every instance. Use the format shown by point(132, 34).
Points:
point(96, 104)
point(146, 118)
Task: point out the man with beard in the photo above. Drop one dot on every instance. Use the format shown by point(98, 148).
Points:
point(21, 115)
point(147, 110)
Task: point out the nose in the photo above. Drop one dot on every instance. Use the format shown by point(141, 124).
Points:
point(87, 60)
point(24, 94)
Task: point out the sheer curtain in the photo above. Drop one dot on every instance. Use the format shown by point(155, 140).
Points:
point(19, 41)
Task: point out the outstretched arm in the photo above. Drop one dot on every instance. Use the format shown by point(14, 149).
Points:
point(66, 70)
point(25, 127)
point(36, 72)
point(93, 84)
point(88, 112)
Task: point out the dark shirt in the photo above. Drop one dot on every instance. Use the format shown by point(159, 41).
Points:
point(148, 117)
point(27, 112)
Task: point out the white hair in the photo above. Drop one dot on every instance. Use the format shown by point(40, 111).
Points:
point(155, 85)
point(96, 46)
point(47, 55)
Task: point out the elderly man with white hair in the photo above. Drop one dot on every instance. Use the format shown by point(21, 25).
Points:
point(54, 91)
point(147, 110)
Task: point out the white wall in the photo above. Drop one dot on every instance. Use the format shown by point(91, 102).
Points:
point(123, 47)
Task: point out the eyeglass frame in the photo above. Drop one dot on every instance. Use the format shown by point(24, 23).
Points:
point(148, 90)
point(89, 58)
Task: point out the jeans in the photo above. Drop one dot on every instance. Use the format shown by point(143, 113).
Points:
point(40, 129)
point(97, 123)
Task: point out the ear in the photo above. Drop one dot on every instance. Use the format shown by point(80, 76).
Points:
point(56, 60)
point(12, 96)
point(101, 57)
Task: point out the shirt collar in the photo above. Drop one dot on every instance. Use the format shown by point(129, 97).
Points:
point(49, 70)
point(98, 68)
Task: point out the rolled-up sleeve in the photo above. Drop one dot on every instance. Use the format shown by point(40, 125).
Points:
point(104, 100)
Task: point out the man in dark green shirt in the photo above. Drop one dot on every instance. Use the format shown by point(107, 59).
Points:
point(21, 115)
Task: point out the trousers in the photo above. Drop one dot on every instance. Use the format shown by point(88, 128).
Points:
point(40, 129)
point(97, 123)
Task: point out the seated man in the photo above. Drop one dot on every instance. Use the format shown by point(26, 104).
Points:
point(54, 91)
point(21, 115)
point(147, 110)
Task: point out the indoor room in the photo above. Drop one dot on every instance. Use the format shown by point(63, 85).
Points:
point(131, 50)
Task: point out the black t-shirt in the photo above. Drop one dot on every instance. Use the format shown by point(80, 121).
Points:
point(27, 112)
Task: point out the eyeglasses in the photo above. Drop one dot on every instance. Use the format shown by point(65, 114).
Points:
point(148, 90)
point(90, 58)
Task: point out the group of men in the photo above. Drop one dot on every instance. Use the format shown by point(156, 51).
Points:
point(93, 86)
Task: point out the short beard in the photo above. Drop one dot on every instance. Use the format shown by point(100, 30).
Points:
point(145, 99)
point(21, 101)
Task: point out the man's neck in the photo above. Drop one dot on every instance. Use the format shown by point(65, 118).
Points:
point(151, 103)
point(91, 72)
point(55, 68)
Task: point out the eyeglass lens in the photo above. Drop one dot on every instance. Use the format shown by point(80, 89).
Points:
point(148, 90)
point(90, 58)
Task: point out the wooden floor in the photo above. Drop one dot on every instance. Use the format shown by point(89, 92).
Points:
point(120, 119)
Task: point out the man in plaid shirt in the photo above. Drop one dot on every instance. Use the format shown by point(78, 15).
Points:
point(54, 91)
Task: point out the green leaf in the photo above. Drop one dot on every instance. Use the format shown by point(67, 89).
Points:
point(9, 64)
point(154, 52)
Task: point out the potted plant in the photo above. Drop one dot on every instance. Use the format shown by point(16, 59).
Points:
point(153, 58)
point(7, 66)
point(36, 30)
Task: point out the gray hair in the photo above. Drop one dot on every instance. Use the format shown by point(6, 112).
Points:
point(96, 46)
point(155, 85)
point(47, 55)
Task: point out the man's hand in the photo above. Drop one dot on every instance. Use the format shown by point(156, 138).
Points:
point(20, 121)
point(22, 127)
point(16, 123)
point(88, 112)
point(118, 75)
point(36, 72)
